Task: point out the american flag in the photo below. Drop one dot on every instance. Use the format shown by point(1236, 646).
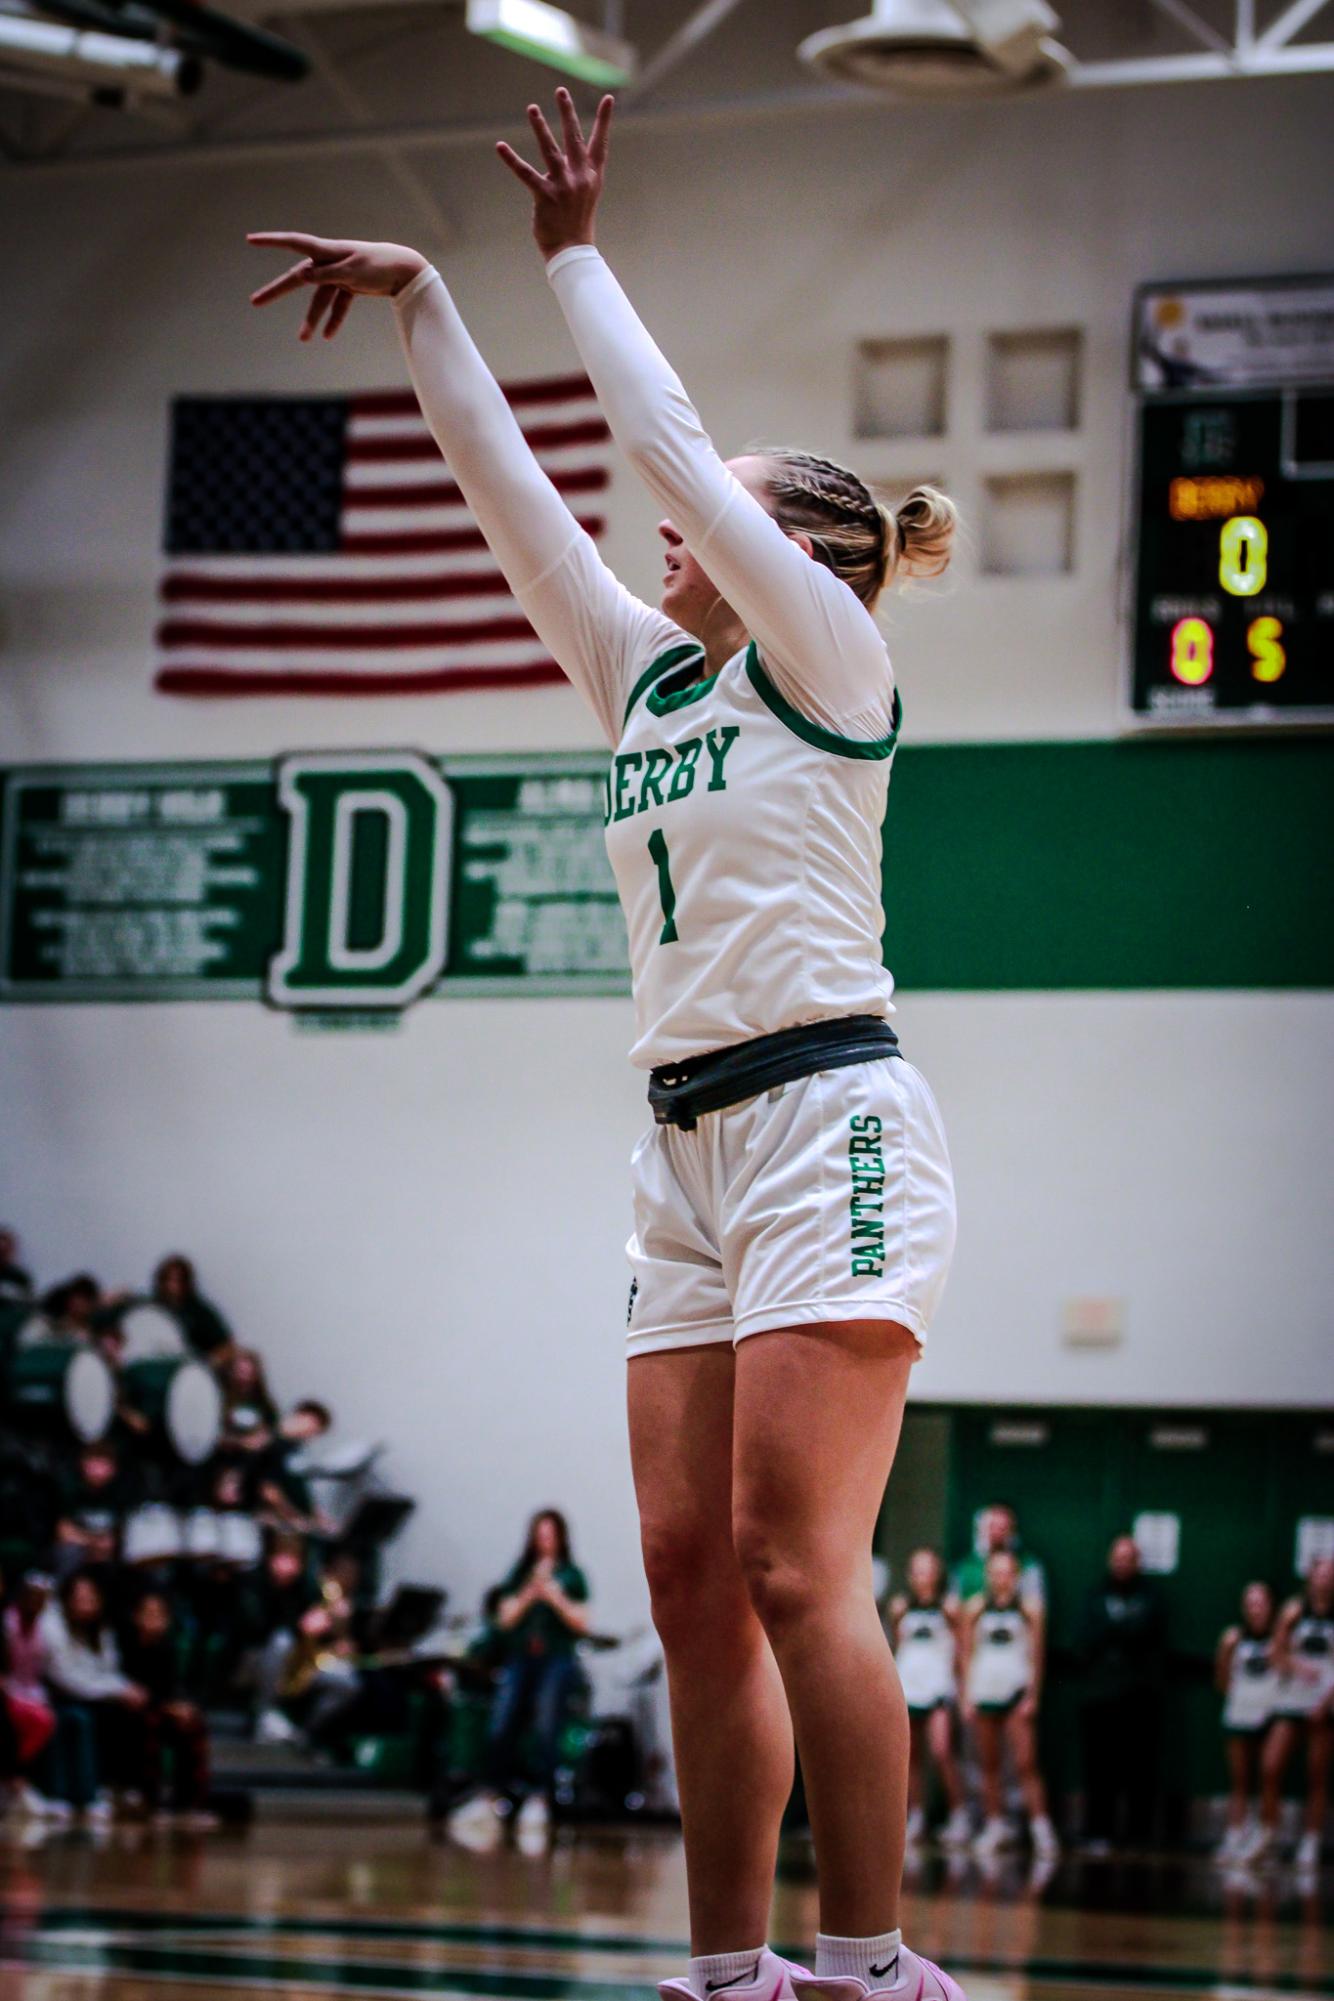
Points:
point(318, 546)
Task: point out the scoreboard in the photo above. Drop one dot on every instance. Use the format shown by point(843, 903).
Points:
point(1234, 505)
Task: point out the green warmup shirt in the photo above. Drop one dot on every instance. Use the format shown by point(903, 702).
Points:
point(541, 1629)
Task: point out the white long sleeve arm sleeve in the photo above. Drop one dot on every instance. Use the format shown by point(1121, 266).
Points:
point(593, 626)
point(820, 645)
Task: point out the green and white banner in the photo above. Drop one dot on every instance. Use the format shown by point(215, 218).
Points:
point(364, 880)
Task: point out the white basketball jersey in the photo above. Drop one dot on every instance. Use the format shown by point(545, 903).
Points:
point(745, 842)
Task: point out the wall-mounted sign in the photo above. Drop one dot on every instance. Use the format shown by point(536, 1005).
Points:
point(343, 880)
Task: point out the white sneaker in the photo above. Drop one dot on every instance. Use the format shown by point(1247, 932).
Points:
point(1307, 1855)
point(773, 1980)
point(995, 1835)
point(478, 1822)
point(36, 1806)
point(273, 1727)
point(98, 1812)
point(534, 1821)
point(1233, 1845)
point(958, 1829)
point(910, 1973)
point(916, 1826)
point(1046, 1841)
point(1259, 1842)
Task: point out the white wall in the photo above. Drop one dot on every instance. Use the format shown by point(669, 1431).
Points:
point(426, 1227)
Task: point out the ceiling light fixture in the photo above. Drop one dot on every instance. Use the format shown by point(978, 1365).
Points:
point(549, 35)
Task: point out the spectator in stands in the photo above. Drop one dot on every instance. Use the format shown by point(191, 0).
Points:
point(96, 1496)
point(309, 1676)
point(249, 1414)
point(1303, 1712)
point(1124, 1659)
point(152, 1655)
point(1245, 1677)
point(30, 1717)
point(284, 1491)
point(66, 1313)
point(540, 1616)
point(94, 1701)
point(998, 1528)
point(1004, 1648)
point(15, 1282)
point(205, 1330)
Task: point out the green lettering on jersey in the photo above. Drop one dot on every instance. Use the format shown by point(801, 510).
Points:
point(683, 778)
point(657, 764)
point(627, 761)
point(720, 742)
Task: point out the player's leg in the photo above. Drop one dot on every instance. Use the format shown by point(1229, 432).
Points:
point(1240, 1748)
point(817, 1419)
point(988, 1736)
point(1318, 1736)
point(1022, 1733)
point(940, 1739)
point(731, 1732)
point(1279, 1746)
point(917, 1759)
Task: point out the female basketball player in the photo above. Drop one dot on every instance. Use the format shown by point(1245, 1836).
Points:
point(794, 1208)
point(1303, 1709)
point(1003, 1649)
point(1244, 1674)
point(924, 1630)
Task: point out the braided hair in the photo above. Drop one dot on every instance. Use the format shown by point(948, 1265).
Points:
point(860, 538)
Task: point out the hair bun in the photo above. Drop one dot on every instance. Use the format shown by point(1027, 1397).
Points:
point(924, 528)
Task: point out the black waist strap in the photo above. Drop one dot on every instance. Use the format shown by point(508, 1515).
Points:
point(680, 1092)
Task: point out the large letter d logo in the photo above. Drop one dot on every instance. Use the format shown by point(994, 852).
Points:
point(367, 880)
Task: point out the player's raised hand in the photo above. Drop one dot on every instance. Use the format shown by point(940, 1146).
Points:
point(337, 269)
point(566, 196)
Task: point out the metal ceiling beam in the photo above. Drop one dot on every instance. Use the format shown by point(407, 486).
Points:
point(1289, 23)
point(697, 28)
point(1206, 66)
point(1194, 24)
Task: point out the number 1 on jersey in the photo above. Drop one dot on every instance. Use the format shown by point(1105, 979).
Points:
point(657, 847)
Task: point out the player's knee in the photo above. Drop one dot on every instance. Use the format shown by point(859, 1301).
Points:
point(784, 1590)
point(684, 1565)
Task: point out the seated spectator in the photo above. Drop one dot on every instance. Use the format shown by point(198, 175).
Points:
point(96, 1496)
point(1124, 1661)
point(284, 1491)
point(309, 1677)
point(66, 1314)
point(1003, 1658)
point(205, 1330)
point(151, 1655)
point(998, 1528)
point(539, 1618)
point(15, 1282)
point(95, 1702)
point(30, 1717)
point(249, 1414)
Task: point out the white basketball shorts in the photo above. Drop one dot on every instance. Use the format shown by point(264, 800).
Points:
point(830, 1198)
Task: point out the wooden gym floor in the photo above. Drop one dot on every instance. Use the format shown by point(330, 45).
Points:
point(375, 1908)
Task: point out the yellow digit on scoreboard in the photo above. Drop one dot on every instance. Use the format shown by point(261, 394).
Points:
point(1268, 656)
point(1243, 555)
point(1192, 656)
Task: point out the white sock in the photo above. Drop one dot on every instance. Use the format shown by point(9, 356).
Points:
point(873, 1960)
point(713, 1970)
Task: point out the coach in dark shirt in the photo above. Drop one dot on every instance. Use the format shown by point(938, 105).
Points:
point(1123, 1654)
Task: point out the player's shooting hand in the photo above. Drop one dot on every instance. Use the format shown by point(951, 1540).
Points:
point(566, 196)
point(337, 269)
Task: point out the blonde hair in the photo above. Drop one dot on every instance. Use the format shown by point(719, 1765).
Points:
point(861, 539)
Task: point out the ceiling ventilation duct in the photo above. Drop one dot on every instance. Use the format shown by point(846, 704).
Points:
point(943, 48)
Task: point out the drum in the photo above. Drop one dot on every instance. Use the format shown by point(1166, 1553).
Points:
point(64, 1387)
point(152, 1334)
point(182, 1400)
